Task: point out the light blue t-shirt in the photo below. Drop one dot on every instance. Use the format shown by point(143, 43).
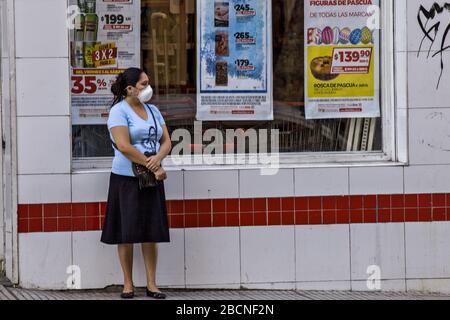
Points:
point(142, 133)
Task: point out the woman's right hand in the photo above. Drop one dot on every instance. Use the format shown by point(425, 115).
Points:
point(153, 163)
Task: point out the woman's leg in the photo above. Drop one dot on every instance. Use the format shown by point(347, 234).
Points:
point(126, 261)
point(150, 254)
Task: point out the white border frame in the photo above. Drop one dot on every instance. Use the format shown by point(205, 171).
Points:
point(393, 77)
point(401, 80)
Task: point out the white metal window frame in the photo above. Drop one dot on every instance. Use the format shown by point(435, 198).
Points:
point(393, 77)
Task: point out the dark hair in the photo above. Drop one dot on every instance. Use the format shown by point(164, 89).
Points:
point(129, 77)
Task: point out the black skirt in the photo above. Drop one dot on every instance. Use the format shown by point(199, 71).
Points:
point(134, 215)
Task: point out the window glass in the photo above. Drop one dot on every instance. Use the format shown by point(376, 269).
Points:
point(175, 91)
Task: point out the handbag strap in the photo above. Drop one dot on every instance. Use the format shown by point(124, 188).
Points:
point(154, 120)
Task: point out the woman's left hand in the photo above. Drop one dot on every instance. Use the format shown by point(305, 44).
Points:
point(161, 174)
point(153, 163)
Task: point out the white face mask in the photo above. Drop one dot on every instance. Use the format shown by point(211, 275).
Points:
point(146, 94)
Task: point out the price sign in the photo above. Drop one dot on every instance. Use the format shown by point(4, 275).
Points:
point(244, 38)
point(244, 65)
point(351, 60)
point(116, 22)
point(91, 84)
point(105, 55)
point(243, 10)
point(105, 42)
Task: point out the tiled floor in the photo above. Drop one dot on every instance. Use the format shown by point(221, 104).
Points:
point(10, 293)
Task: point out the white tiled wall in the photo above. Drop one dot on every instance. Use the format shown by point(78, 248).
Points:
point(41, 29)
point(90, 187)
point(43, 109)
point(322, 253)
point(427, 179)
point(376, 180)
point(429, 138)
point(252, 184)
point(170, 268)
point(429, 146)
point(337, 182)
point(212, 257)
point(44, 259)
point(381, 245)
point(171, 260)
point(44, 104)
point(413, 256)
point(174, 185)
point(427, 254)
point(268, 254)
point(43, 86)
point(424, 69)
point(45, 188)
point(423, 80)
point(43, 145)
point(99, 263)
point(211, 184)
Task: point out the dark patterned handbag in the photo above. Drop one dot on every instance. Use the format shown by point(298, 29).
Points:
point(145, 176)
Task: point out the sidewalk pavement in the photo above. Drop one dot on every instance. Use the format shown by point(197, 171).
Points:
point(112, 293)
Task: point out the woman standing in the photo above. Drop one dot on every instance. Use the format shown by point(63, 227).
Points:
point(136, 215)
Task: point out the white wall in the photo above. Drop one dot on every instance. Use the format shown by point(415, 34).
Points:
point(429, 108)
point(412, 255)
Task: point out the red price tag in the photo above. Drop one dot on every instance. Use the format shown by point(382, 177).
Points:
point(84, 84)
point(89, 84)
point(351, 60)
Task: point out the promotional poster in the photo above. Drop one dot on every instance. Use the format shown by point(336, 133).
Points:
point(342, 59)
point(234, 60)
point(105, 40)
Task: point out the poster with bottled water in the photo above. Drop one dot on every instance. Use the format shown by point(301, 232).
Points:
point(104, 40)
point(342, 60)
point(234, 52)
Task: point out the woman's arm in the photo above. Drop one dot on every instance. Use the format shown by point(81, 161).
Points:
point(122, 139)
point(166, 144)
point(154, 163)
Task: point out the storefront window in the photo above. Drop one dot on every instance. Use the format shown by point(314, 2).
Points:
point(168, 54)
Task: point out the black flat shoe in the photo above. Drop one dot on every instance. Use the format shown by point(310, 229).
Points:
point(127, 295)
point(156, 295)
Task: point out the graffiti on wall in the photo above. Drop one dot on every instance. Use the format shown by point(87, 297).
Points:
point(435, 25)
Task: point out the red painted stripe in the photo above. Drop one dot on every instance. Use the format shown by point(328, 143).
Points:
point(54, 217)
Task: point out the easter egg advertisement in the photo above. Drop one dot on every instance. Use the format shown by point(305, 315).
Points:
point(342, 59)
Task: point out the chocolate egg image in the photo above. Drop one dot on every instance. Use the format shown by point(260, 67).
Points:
point(321, 68)
point(344, 35)
point(327, 35)
point(355, 36)
point(336, 33)
point(366, 35)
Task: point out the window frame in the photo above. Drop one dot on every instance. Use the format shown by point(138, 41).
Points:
point(393, 86)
